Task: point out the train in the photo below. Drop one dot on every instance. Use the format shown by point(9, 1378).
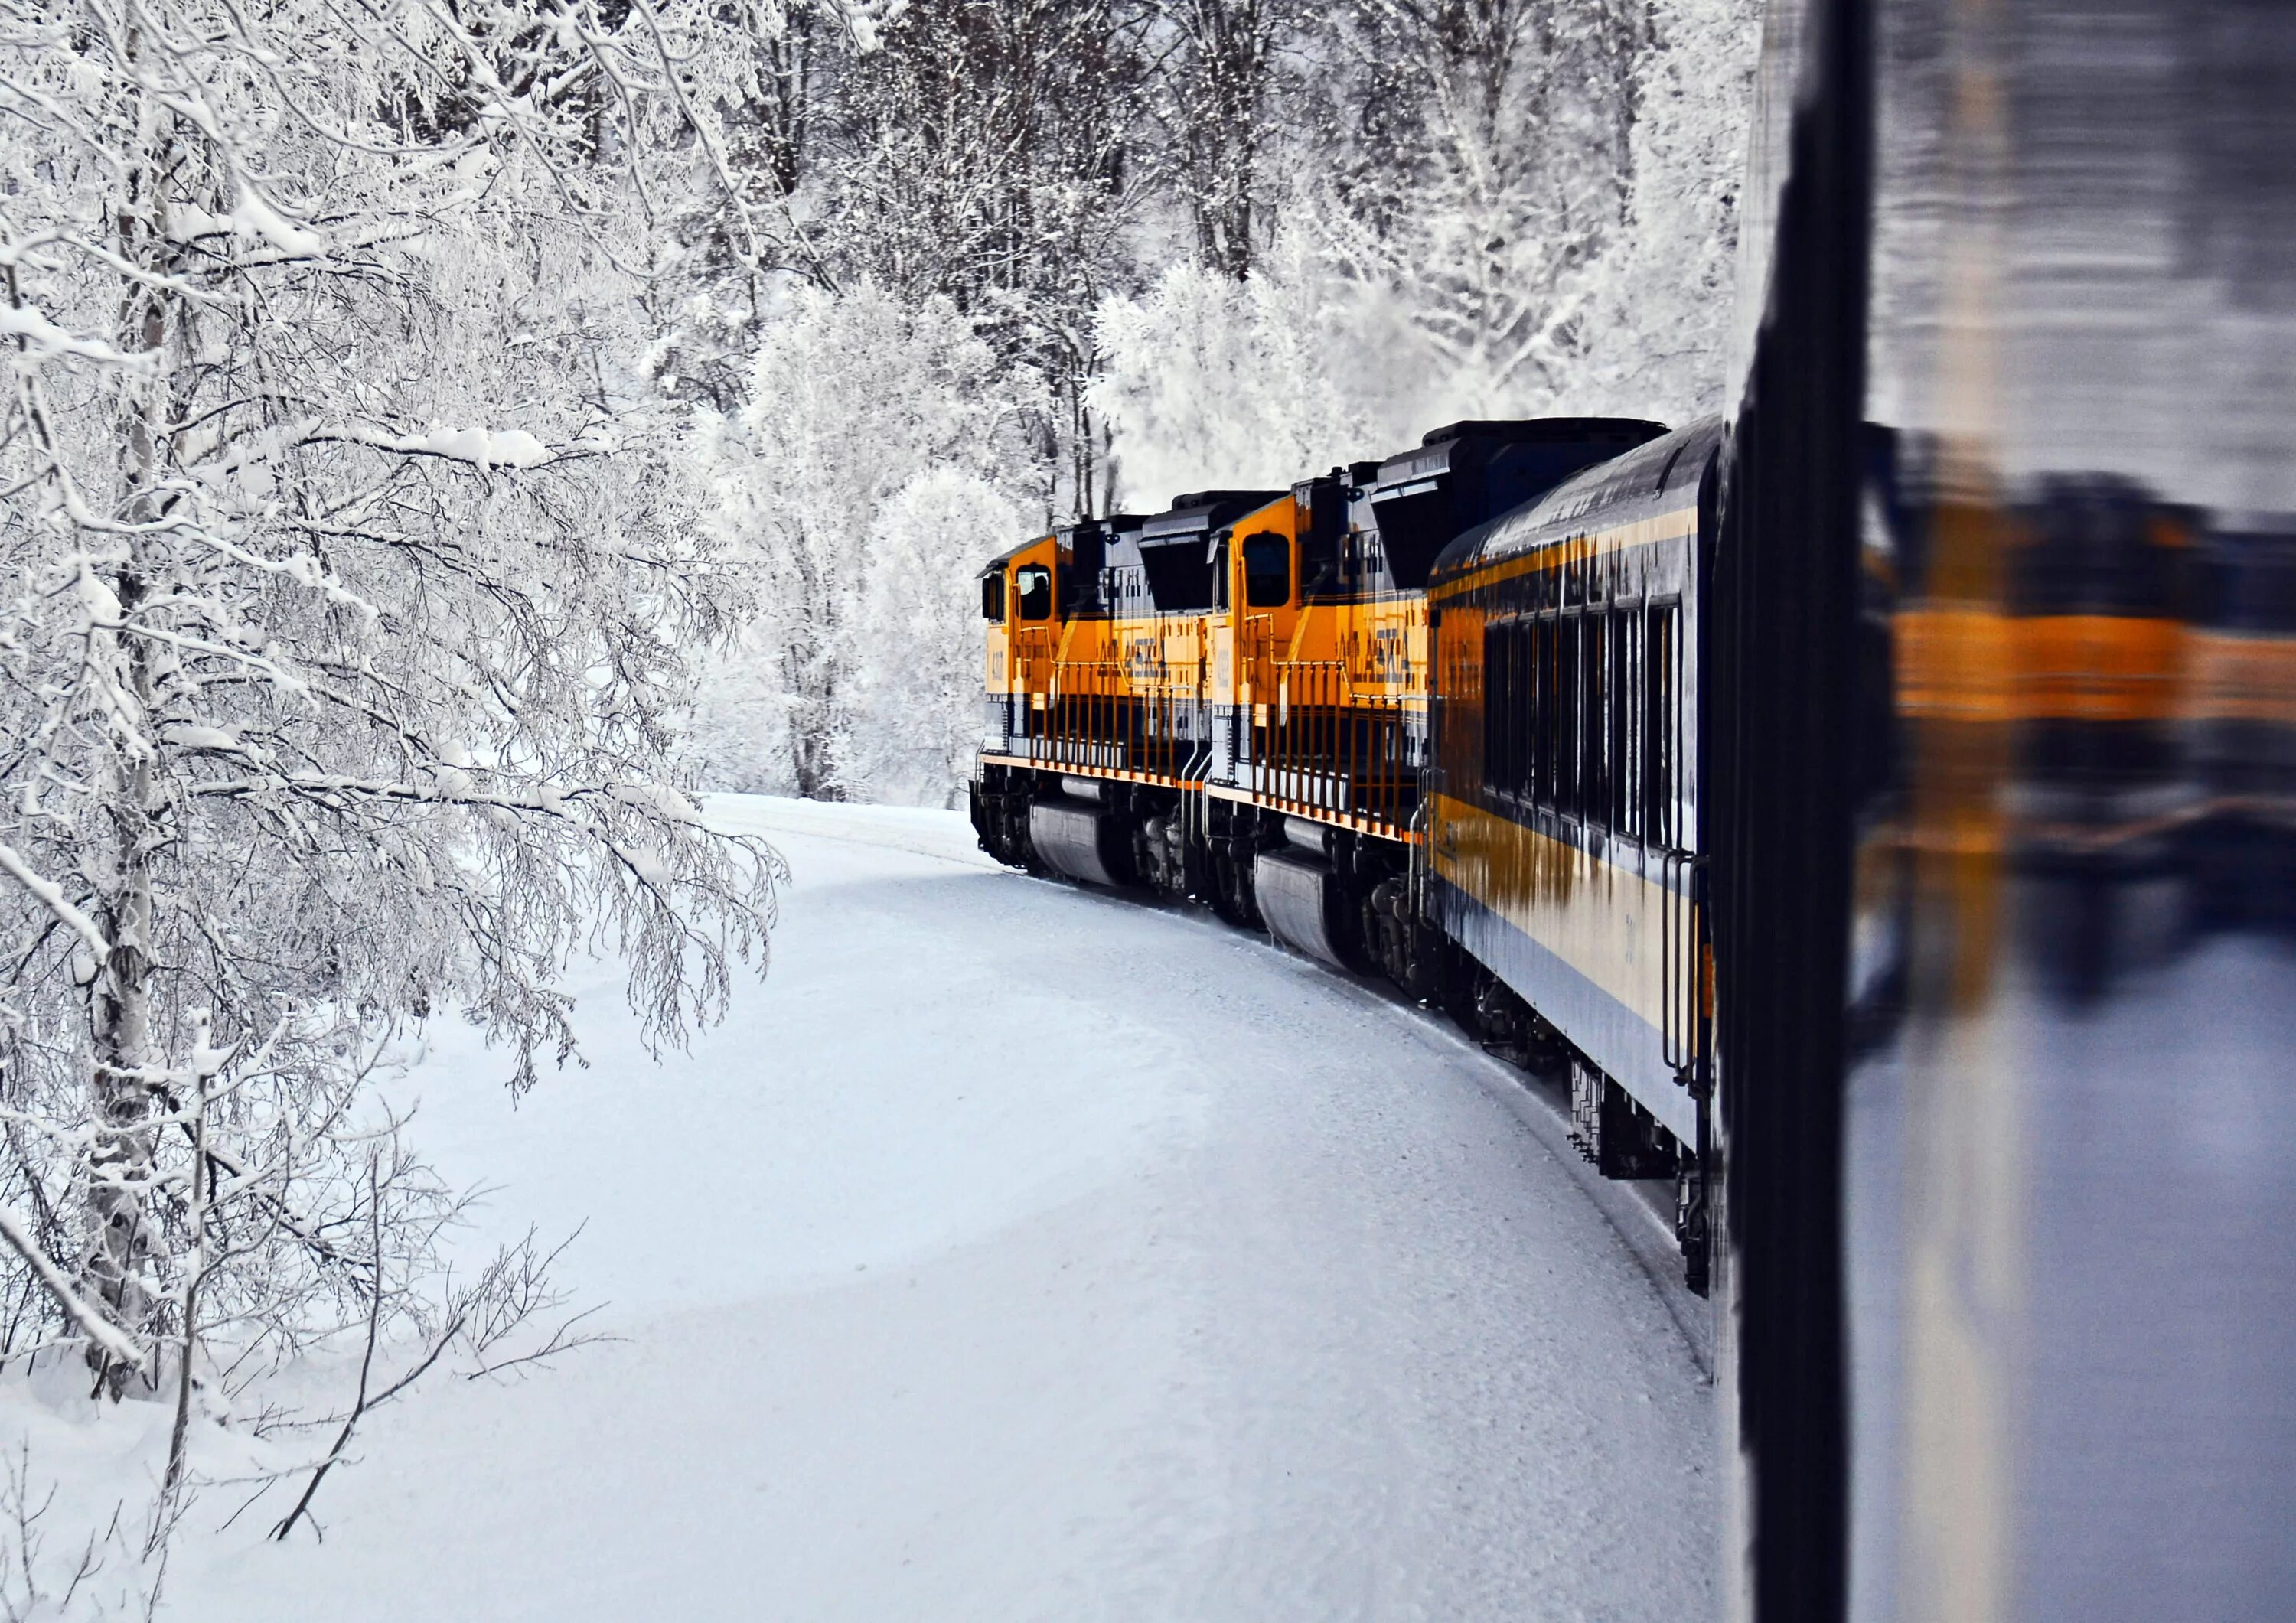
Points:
point(1433, 717)
point(1436, 718)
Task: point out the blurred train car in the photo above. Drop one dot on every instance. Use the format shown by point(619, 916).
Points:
point(2002, 863)
point(2240, 714)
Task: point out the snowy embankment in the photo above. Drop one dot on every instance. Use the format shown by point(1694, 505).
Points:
point(1015, 1253)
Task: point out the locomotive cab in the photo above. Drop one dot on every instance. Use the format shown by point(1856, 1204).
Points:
point(1022, 633)
point(1262, 560)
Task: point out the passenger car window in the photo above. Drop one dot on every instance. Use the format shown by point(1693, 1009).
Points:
point(1032, 583)
point(1266, 571)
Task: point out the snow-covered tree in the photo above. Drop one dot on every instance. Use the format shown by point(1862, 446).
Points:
point(919, 718)
point(341, 606)
point(853, 399)
point(736, 232)
point(1509, 209)
point(1241, 240)
point(1484, 168)
point(1215, 104)
point(1657, 327)
point(1201, 383)
point(985, 154)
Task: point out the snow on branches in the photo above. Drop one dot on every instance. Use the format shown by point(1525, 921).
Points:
point(1228, 241)
point(342, 605)
point(868, 472)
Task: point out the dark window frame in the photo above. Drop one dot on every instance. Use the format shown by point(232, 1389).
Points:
point(1582, 714)
point(1663, 725)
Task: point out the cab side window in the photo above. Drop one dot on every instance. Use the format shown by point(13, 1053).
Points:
point(1032, 583)
point(992, 597)
point(1266, 571)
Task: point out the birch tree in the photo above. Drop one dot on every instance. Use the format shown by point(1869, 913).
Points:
point(340, 607)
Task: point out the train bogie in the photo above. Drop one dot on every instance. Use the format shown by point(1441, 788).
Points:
point(1616, 1134)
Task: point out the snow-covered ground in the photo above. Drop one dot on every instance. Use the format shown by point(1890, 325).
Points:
point(1013, 1252)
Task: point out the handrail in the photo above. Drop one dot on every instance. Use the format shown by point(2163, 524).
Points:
point(1320, 742)
point(1681, 965)
point(1670, 956)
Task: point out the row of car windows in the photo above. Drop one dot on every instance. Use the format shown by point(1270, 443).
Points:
point(1582, 716)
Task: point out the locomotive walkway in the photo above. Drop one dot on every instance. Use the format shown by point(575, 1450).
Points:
point(1014, 1252)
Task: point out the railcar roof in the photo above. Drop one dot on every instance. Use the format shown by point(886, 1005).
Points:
point(1199, 512)
point(1658, 477)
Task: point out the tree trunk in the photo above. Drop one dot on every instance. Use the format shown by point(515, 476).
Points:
point(1230, 41)
point(122, 1236)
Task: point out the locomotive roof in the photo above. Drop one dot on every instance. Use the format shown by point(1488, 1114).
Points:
point(1661, 477)
point(1441, 448)
point(1110, 524)
point(1199, 512)
point(1011, 553)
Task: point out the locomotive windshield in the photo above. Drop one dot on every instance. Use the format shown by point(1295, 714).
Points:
point(992, 597)
point(1266, 571)
point(1032, 583)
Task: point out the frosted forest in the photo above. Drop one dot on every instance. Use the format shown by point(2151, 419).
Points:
point(444, 441)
